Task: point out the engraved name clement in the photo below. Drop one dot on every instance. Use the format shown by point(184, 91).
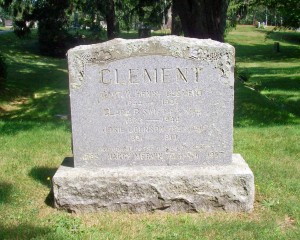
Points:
point(148, 76)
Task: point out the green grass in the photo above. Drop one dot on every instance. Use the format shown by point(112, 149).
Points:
point(5, 28)
point(33, 142)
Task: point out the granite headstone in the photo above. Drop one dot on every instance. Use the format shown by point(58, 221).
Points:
point(158, 102)
point(152, 123)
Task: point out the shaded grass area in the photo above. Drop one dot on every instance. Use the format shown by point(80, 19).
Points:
point(34, 141)
point(271, 94)
point(28, 72)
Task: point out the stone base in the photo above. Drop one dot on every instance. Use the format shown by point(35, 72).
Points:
point(149, 189)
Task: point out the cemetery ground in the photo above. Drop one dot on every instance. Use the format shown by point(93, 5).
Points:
point(36, 136)
point(5, 28)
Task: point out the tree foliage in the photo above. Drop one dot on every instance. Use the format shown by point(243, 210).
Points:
point(4, 13)
point(289, 10)
point(21, 11)
point(195, 18)
point(285, 13)
point(52, 28)
point(52, 19)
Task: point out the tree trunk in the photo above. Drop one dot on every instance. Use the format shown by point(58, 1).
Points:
point(112, 29)
point(202, 18)
point(176, 28)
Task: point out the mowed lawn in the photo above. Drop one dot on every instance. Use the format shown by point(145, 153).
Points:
point(34, 139)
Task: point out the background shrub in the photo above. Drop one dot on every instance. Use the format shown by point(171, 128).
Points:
point(3, 72)
point(21, 29)
point(52, 38)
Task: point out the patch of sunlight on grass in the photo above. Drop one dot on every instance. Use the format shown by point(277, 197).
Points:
point(27, 70)
point(5, 28)
point(35, 61)
point(162, 32)
point(278, 74)
point(46, 92)
point(270, 64)
point(294, 94)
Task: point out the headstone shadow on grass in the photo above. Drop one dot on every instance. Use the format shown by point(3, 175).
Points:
point(49, 201)
point(44, 176)
point(5, 192)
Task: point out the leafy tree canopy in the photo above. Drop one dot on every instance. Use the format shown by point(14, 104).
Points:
point(289, 10)
point(285, 12)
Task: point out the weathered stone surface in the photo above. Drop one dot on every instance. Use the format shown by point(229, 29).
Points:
point(152, 123)
point(157, 188)
point(160, 101)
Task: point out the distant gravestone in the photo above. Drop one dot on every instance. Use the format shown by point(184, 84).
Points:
point(152, 123)
point(8, 23)
point(144, 32)
point(258, 24)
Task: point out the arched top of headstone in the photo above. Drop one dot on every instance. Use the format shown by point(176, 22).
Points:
point(221, 55)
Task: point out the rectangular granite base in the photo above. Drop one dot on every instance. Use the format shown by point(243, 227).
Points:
point(149, 189)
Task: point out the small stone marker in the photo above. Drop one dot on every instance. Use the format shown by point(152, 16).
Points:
point(152, 123)
point(276, 47)
point(144, 32)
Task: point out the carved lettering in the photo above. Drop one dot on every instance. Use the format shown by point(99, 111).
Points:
point(157, 110)
point(105, 73)
point(197, 73)
point(150, 76)
point(147, 75)
point(180, 74)
point(111, 130)
point(166, 75)
point(133, 76)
